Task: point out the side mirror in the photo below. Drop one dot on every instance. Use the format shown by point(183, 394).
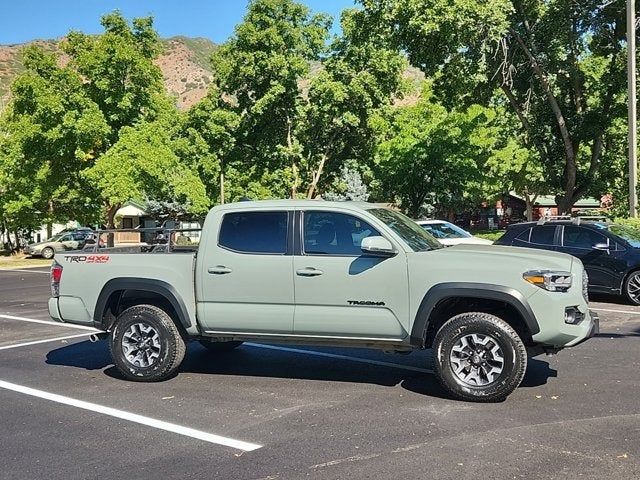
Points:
point(602, 247)
point(377, 246)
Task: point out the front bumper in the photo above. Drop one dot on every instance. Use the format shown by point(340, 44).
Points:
point(594, 328)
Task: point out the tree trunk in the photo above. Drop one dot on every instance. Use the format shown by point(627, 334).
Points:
point(16, 237)
point(311, 193)
point(530, 201)
point(565, 203)
point(221, 183)
point(49, 221)
point(111, 216)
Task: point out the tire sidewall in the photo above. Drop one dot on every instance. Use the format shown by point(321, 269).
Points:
point(167, 345)
point(508, 379)
point(626, 287)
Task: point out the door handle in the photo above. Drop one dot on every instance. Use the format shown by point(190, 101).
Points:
point(219, 270)
point(309, 272)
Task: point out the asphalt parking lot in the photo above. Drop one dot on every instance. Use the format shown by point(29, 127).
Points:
point(270, 412)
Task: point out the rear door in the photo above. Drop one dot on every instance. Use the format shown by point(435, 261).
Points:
point(340, 292)
point(246, 273)
point(539, 236)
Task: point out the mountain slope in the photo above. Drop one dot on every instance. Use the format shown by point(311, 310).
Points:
point(184, 64)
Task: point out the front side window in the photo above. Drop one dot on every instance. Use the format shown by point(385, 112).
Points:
point(254, 232)
point(330, 233)
point(578, 237)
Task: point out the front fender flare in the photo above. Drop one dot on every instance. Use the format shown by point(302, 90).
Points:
point(483, 291)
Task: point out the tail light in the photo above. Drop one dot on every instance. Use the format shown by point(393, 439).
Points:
point(56, 276)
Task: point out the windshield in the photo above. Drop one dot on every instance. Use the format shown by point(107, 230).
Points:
point(445, 230)
point(413, 235)
point(630, 234)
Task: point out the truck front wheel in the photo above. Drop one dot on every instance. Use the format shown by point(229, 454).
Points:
point(478, 357)
point(145, 344)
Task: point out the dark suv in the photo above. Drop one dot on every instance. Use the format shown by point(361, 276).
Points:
point(610, 253)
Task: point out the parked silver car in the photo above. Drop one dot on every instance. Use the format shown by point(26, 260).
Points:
point(58, 243)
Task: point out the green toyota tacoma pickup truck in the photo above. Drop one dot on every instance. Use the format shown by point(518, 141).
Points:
point(329, 273)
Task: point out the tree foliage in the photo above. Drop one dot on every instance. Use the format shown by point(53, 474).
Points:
point(559, 66)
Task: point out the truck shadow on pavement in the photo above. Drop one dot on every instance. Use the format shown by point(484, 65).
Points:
point(256, 362)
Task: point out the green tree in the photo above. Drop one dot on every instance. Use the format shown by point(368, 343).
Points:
point(360, 77)
point(143, 165)
point(259, 70)
point(50, 131)
point(559, 66)
point(433, 160)
point(118, 70)
point(210, 129)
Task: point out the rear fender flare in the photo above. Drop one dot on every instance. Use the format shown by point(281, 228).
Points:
point(145, 284)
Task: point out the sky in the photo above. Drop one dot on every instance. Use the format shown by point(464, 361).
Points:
point(25, 20)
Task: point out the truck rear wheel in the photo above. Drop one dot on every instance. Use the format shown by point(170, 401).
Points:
point(214, 346)
point(145, 344)
point(478, 357)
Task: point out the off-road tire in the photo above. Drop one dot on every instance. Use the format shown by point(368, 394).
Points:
point(172, 346)
point(216, 347)
point(631, 283)
point(513, 352)
point(48, 253)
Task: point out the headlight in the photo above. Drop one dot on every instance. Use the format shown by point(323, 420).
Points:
point(585, 286)
point(549, 280)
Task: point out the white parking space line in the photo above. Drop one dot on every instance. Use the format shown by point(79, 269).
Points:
point(615, 311)
point(36, 342)
point(132, 417)
point(24, 270)
point(48, 322)
point(341, 357)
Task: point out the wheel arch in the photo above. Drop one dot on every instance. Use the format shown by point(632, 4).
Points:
point(445, 300)
point(117, 291)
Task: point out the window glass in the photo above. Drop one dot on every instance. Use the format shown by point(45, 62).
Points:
point(445, 230)
point(524, 236)
point(66, 238)
point(418, 239)
point(543, 235)
point(328, 233)
point(578, 237)
point(254, 232)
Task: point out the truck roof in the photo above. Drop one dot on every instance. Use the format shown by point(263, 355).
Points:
point(288, 203)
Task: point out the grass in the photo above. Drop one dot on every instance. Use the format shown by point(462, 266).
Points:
point(21, 261)
point(492, 235)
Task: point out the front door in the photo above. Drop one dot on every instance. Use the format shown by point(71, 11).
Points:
point(339, 291)
point(599, 264)
point(246, 274)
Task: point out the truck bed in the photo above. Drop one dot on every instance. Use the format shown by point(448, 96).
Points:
point(85, 274)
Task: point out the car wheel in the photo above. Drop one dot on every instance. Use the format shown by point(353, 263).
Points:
point(48, 253)
point(632, 287)
point(145, 344)
point(213, 346)
point(478, 357)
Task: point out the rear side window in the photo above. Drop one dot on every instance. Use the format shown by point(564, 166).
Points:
point(543, 235)
point(524, 236)
point(254, 232)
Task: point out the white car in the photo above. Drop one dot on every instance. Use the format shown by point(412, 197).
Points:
point(449, 234)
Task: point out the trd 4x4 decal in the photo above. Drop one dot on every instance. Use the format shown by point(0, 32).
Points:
point(87, 258)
